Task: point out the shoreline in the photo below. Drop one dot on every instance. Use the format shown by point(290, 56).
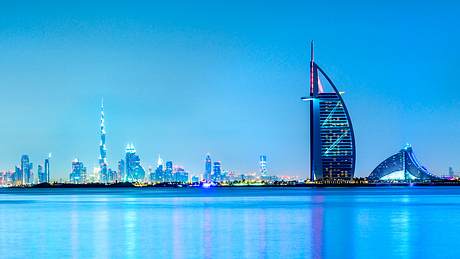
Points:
point(284, 185)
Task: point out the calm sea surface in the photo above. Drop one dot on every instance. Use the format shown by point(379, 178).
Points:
point(396, 222)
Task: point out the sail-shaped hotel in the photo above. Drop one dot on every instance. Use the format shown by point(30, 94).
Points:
point(332, 140)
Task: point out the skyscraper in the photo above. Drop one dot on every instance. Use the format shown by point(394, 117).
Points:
point(207, 168)
point(41, 174)
point(17, 178)
point(159, 172)
point(47, 168)
point(78, 174)
point(169, 172)
point(103, 173)
point(121, 170)
point(134, 172)
point(26, 170)
point(332, 140)
point(263, 165)
point(6, 178)
point(112, 175)
point(217, 171)
point(180, 175)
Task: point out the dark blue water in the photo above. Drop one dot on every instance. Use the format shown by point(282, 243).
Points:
point(417, 222)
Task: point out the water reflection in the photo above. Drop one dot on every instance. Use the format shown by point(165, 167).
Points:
point(317, 226)
point(177, 231)
point(101, 230)
point(130, 222)
point(260, 223)
point(400, 228)
point(74, 231)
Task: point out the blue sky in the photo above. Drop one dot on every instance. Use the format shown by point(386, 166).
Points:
point(182, 79)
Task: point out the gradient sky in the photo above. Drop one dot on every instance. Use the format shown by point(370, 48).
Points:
point(181, 79)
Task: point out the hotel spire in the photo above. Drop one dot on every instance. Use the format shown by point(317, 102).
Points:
point(312, 51)
point(313, 72)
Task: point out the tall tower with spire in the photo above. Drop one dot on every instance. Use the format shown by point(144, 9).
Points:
point(103, 174)
point(332, 139)
point(207, 168)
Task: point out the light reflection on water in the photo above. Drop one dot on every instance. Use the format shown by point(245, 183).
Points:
point(230, 223)
point(74, 233)
point(129, 223)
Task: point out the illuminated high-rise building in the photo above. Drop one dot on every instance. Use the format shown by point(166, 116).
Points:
point(263, 165)
point(47, 168)
point(159, 174)
point(134, 172)
point(17, 177)
point(26, 170)
point(332, 140)
point(112, 176)
point(217, 171)
point(103, 173)
point(168, 176)
point(207, 168)
point(180, 175)
point(41, 174)
point(6, 178)
point(78, 173)
point(121, 170)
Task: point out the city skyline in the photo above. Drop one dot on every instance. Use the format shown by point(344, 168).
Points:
point(226, 129)
point(226, 87)
point(124, 172)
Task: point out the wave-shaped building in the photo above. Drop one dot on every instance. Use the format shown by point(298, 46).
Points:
point(403, 167)
point(332, 140)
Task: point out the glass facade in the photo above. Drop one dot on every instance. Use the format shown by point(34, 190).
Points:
point(78, 174)
point(402, 166)
point(103, 172)
point(134, 172)
point(263, 165)
point(26, 170)
point(332, 141)
point(47, 169)
point(337, 145)
point(168, 175)
point(207, 168)
point(41, 174)
point(217, 171)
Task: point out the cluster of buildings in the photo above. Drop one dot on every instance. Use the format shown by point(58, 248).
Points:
point(24, 174)
point(130, 168)
point(332, 153)
point(167, 172)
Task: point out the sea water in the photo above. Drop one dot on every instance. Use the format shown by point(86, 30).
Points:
point(387, 222)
